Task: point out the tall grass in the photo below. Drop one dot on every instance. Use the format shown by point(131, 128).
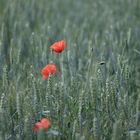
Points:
point(85, 100)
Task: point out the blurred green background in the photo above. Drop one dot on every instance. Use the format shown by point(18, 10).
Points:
point(85, 100)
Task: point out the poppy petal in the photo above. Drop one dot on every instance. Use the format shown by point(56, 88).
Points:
point(45, 73)
point(51, 68)
point(37, 126)
point(45, 123)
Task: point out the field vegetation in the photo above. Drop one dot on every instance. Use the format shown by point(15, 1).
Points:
point(95, 94)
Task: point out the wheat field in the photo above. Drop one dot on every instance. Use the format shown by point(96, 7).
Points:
point(95, 94)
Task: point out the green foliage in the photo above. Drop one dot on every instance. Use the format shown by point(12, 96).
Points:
point(86, 99)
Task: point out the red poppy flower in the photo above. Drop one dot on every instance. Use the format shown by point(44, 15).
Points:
point(43, 124)
point(58, 47)
point(47, 70)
